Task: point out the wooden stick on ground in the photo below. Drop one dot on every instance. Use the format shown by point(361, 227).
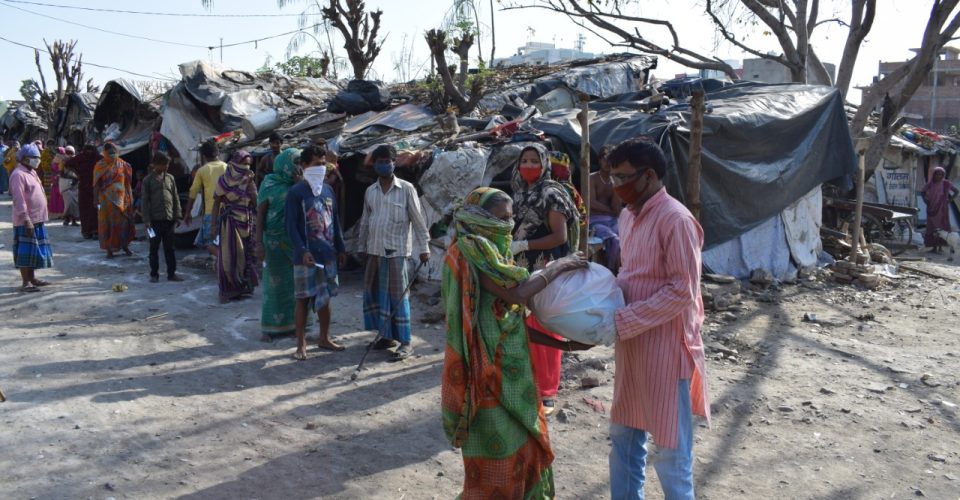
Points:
point(697, 109)
point(155, 316)
point(858, 214)
point(925, 273)
point(584, 117)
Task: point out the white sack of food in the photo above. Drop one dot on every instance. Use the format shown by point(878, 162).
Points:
point(580, 305)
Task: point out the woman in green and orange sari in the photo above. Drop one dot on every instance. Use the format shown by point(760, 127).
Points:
point(113, 186)
point(491, 408)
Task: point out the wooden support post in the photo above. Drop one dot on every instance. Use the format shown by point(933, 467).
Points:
point(697, 109)
point(858, 213)
point(584, 118)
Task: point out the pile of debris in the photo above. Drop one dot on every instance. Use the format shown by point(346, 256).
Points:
point(859, 271)
point(719, 292)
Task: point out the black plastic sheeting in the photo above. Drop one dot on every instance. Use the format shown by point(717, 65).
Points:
point(764, 147)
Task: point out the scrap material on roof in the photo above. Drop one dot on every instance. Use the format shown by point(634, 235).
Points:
point(75, 120)
point(599, 78)
point(123, 116)
point(212, 100)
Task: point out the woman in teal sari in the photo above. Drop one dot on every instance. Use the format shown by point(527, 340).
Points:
point(276, 315)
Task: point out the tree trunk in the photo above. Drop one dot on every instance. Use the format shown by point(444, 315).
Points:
point(493, 35)
point(697, 110)
point(461, 47)
point(437, 41)
point(803, 38)
point(861, 22)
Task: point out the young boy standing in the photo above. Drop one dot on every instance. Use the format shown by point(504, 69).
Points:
point(161, 211)
point(317, 240)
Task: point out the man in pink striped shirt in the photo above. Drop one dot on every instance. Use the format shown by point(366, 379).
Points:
point(660, 381)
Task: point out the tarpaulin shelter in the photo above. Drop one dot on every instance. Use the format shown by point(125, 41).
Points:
point(764, 147)
point(75, 119)
point(766, 151)
point(124, 117)
point(21, 123)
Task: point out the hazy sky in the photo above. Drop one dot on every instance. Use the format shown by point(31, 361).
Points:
point(898, 27)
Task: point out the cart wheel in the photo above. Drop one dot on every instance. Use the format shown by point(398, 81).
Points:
point(903, 236)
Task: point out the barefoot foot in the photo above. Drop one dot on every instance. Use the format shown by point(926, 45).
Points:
point(329, 345)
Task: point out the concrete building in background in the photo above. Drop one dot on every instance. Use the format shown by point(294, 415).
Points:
point(936, 104)
point(768, 71)
point(543, 53)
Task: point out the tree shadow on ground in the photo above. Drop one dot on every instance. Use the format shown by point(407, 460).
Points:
point(330, 470)
point(774, 342)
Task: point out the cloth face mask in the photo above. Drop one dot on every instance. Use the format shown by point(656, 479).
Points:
point(315, 177)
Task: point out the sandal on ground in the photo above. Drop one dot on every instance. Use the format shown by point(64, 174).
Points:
point(384, 344)
point(40, 283)
point(29, 288)
point(403, 352)
point(549, 406)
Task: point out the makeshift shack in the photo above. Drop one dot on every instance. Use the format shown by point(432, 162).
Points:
point(766, 151)
point(905, 168)
point(21, 123)
point(212, 100)
point(74, 123)
point(124, 117)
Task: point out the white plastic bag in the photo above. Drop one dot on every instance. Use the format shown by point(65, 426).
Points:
point(580, 305)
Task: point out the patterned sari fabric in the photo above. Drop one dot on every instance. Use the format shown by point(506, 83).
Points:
point(113, 179)
point(46, 162)
point(276, 314)
point(55, 201)
point(532, 205)
point(489, 399)
point(236, 260)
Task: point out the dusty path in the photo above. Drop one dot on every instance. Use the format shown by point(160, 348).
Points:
point(103, 403)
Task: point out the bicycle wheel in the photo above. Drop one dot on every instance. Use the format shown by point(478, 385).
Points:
point(902, 236)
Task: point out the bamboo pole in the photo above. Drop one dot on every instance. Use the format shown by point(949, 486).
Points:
point(697, 110)
point(584, 117)
point(858, 213)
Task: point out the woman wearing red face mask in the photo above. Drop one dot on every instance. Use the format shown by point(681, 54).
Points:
point(547, 228)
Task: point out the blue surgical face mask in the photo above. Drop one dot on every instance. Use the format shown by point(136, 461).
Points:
point(383, 168)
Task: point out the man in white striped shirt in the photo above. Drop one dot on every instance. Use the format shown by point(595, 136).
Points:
point(391, 209)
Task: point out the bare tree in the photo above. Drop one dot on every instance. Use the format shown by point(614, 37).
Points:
point(359, 29)
point(67, 76)
point(895, 89)
point(791, 22)
point(453, 90)
point(607, 21)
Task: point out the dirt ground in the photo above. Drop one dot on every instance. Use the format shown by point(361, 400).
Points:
point(161, 392)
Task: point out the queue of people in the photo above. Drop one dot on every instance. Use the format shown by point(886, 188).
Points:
point(502, 367)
